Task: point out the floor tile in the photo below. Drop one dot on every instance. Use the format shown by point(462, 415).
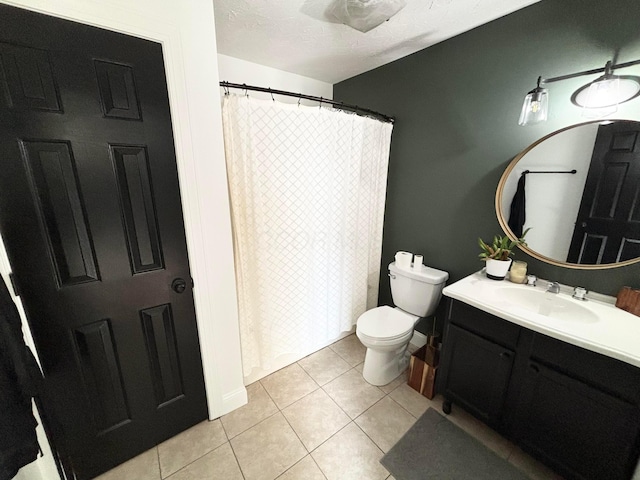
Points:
point(359, 367)
point(352, 393)
point(385, 423)
point(288, 385)
point(534, 469)
point(415, 403)
point(143, 467)
point(220, 464)
point(305, 469)
point(324, 365)
point(190, 445)
point(477, 429)
point(399, 380)
point(259, 407)
point(350, 454)
point(268, 449)
point(315, 418)
point(350, 349)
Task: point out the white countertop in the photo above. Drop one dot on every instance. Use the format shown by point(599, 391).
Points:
point(615, 333)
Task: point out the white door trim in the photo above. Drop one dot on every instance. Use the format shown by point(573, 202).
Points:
point(186, 30)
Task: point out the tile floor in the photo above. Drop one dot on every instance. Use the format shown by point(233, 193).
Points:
point(315, 419)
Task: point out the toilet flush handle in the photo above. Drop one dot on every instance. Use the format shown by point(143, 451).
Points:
point(391, 275)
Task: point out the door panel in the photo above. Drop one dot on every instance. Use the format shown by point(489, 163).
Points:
point(90, 212)
point(55, 189)
point(138, 207)
point(607, 228)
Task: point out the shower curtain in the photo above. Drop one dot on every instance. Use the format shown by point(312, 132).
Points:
point(307, 188)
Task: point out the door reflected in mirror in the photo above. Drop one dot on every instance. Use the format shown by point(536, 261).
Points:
point(577, 190)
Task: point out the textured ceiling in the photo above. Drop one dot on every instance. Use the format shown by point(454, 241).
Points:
point(298, 36)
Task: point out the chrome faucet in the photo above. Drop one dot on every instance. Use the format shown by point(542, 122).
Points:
point(580, 293)
point(531, 280)
point(553, 287)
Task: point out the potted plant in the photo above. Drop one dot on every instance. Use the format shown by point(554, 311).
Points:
point(497, 254)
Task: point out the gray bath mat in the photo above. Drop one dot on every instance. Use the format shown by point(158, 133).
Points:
point(435, 448)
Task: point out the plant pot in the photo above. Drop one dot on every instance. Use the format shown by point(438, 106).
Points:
point(497, 269)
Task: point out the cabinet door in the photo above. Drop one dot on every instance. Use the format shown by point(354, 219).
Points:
point(579, 430)
point(477, 373)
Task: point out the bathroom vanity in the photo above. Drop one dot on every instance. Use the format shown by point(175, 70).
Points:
point(557, 376)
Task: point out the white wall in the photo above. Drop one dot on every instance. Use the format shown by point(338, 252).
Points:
point(235, 70)
point(187, 33)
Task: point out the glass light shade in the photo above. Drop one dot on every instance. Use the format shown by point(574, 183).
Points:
point(365, 15)
point(534, 107)
point(602, 96)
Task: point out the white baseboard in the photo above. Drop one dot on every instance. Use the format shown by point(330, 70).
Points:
point(233, 400)
point(418, 340)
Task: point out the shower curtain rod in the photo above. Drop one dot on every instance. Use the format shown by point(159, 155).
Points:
point(321, 100)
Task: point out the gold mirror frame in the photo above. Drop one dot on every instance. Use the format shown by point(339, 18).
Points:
point(511, 235)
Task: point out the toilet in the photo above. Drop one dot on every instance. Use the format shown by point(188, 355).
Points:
point(386, 331)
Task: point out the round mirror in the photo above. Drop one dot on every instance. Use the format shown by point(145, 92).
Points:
point(577, 191)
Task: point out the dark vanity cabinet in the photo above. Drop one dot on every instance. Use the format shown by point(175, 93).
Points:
point(479, 361)
point(575, 410)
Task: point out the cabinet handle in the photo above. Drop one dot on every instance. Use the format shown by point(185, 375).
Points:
point(506, 355)
point(534, 368)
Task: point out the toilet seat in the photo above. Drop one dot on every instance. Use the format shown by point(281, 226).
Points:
point(386, 323)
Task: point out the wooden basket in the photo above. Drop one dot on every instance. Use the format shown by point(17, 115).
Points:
point(629, 300)
point(422, 370)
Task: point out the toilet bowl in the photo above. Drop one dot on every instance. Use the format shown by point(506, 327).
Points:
point(386, 331)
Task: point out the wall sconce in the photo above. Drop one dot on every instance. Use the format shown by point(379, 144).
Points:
point(598, 98)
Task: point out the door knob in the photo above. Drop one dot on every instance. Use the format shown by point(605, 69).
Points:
point(178, 285)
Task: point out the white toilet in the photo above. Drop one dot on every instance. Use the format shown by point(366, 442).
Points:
point(386, 331)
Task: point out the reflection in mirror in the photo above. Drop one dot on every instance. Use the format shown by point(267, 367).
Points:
point(577, 189)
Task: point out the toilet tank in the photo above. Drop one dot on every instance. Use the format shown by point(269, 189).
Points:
point(418, 290)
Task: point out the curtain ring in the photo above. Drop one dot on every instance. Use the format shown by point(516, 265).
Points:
point(271, 94)
point(246, 90)
point(320, 105)
point(299, 98)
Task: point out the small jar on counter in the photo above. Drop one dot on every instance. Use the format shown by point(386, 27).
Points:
point(518, 272)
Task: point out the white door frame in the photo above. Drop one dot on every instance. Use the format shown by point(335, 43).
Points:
point(186, 30)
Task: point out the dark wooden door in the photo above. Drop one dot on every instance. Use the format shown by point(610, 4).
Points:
point(476, 372)
point(607, 228)
point(581, 431)
point(91, 217)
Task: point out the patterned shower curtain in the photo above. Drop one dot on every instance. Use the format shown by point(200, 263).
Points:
point(307, 187)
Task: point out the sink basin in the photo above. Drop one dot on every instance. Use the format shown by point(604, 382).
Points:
point(596, 325)
point(552, 305)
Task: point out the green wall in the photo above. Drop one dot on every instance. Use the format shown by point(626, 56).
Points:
point(456, 106)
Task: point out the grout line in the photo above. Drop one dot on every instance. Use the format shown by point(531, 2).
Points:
point(318, 466)
point(159, 468)
point(366, 434)
point(295, 433)
point(236, 458)
point(399, 404)
point(249, 428)
point(337, 432)
point(201, 456)
point(224, 429)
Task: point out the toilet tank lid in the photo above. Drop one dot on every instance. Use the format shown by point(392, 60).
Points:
point(424, 274)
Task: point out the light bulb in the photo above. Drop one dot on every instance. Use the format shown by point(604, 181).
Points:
point(534, 107)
